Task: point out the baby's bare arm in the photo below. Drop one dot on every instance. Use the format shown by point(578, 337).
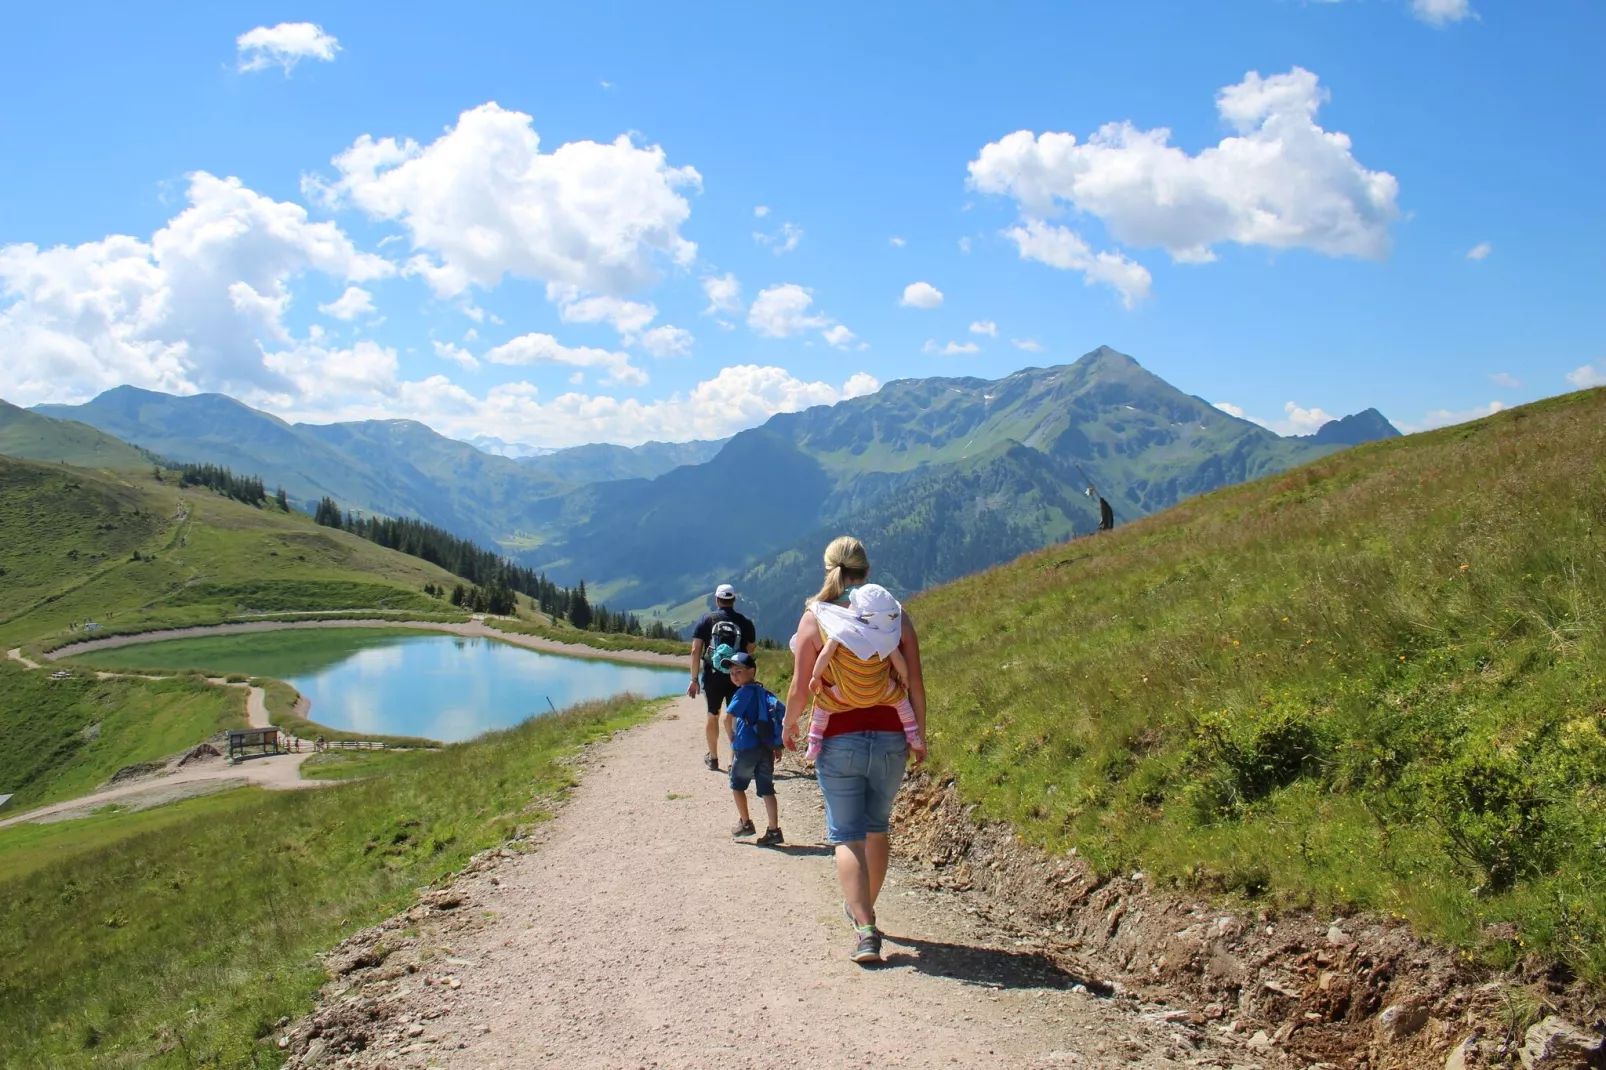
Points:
point(817, 681)
point(899, 665)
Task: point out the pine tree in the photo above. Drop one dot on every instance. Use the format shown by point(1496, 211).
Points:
point(283, 499)
point(579, 608)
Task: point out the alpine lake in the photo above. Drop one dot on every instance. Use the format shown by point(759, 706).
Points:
point(393, 682)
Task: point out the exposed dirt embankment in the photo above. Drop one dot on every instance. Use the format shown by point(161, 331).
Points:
point(1298, 989)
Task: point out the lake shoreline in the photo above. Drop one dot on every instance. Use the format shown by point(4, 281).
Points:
point(471, 629)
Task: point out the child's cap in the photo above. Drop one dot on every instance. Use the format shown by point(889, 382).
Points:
point(744, 659)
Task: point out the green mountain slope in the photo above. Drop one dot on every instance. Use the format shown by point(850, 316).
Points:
point(34, 437)
point(601, 462)
point(129, 552)
point(1374, 682)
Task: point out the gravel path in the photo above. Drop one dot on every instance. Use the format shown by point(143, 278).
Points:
point(638, 934)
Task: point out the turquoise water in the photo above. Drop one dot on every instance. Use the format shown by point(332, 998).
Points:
point(449, 688)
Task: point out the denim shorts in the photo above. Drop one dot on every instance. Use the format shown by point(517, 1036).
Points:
point(757, 765)
point(859, 774)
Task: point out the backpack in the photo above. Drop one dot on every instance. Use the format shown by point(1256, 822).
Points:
point(769, 723)
point(725, 632)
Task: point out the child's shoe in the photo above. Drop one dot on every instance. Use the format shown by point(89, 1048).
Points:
point(771, 838)
point(743, 828)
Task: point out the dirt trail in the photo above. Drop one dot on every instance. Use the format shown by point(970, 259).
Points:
point(637, 933)
point(475, 629)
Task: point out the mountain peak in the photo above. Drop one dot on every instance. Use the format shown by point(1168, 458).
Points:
point(1368, 425)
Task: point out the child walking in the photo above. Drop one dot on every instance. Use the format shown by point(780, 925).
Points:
point(753, 724)
point(870, 627)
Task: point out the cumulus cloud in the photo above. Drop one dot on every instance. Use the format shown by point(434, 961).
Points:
point(1479, 251)
point(1280, 181)
point(1030, 345)
point(782, 241)
point(1296, 420)
point(1441, 12)
point(921, 295)
point(483, 201)
point(191, 309)
point(783, 312)
point(951, 349)
point(535, 348)
point(1588, 375)
point(457, 355)
point(312, 369)
point(348, 306)
point(626, 317)
point(284, 45)
point(667, 341)
point(1505, 380)
point(897, 242)
point(724, 295)
point(839, 336)
point(761, 210)
point(987, 327)
point(1446, 417)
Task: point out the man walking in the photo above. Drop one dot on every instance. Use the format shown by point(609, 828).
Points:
point(723, 627)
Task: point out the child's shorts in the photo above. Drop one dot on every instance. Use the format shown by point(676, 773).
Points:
point(759, 765)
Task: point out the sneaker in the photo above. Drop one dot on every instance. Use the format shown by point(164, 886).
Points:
point(743, 828)
point(771, 838)
point(711, 761)
point(868, 949)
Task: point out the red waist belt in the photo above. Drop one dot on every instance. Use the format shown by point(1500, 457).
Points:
point(869, 719)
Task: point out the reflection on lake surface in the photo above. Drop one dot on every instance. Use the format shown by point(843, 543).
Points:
point(443, 687)
point(447, 687)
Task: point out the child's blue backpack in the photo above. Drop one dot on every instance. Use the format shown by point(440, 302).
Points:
point(769, 719)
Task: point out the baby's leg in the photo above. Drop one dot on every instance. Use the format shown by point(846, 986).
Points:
point(911, 727)
point(816, 731)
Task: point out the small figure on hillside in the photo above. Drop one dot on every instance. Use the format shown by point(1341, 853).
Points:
point(1106, 514)
point(319, 743)
point(724, 627)
point(754, 721)
point(871, 627)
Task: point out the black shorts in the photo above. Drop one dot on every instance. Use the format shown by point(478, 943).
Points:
point(717, 689)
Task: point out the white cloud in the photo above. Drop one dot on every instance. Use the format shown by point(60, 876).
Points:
point(312, 369)
point(348, 306)
point(987, 327)
point(1063, 248)
point(1446, 417)
point(667, 341)
point(457, 355)
point(921, 295)
point(626, 317)
point(951, 349)
point(1030, 345)
point(839, 336)
point(482, 201)
point(189, 310)
point(536, 348)
point(1441, 12)
point(284, 45)
point(1479, 251)
point(783, 311)
point(1587, 375)
point(761, 210)
point(1280, 181)
point(964, 246)
point(1296, 419)
point(724, 294)
point(783, 240)
point(1233, 410)
point(1506, 380)
point(897, 241)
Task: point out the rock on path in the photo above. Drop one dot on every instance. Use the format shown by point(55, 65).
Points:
point(639, 934)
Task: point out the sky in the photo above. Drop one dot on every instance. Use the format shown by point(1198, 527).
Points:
point(555, 224)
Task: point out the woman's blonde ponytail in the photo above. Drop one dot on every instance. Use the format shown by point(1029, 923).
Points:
point(846, 563)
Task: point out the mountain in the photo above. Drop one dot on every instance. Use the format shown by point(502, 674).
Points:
point(1368, 425)
point(492, 444)
point(601, 462)
point(1008, 460)
point(34, 437)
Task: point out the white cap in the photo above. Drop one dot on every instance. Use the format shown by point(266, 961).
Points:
point(725, 593)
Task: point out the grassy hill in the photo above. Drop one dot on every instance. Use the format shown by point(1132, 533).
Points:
point(1375, 682)
point(131, 553)
point(40, 438)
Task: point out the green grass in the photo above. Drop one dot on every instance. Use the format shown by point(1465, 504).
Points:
point(40, 438)
point(597, 640)
point(182, 941)
point(65, 737)
point(1374, 682)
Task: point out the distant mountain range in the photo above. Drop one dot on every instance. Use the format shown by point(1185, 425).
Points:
point(940, 477)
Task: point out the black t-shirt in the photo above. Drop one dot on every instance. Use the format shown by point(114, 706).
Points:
point(705, 630)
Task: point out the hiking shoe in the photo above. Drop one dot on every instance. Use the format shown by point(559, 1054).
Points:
point(711, 761)
point(743, 828)
point(868, 949)
point(771, 838)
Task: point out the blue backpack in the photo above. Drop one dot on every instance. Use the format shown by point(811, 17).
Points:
point(768, 719)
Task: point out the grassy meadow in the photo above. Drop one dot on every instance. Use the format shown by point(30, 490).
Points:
point(178, 937)
point(1374, 682)
point(567, 633)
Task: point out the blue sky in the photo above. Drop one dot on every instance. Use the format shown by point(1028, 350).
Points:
point(181, 222)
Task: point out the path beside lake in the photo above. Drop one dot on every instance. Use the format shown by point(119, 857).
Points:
point(473, 629)
point(637, 933)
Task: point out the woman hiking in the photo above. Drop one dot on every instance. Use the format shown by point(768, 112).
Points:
point(864, 751)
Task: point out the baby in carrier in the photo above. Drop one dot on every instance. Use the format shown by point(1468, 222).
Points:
point(870, 628)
